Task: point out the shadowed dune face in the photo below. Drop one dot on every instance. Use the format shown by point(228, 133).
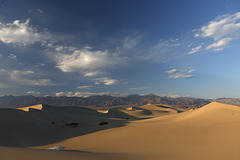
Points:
point(42, 124)
point(38, 125)
point(211, 132)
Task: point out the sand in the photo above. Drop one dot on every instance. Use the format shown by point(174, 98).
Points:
point(143, 112)
point(38, 107)
point(209, 133)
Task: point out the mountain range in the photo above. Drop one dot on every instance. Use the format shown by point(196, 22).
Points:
point(105, 101)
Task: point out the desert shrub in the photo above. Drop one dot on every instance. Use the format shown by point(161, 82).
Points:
point(103, 123)
point(73, 124)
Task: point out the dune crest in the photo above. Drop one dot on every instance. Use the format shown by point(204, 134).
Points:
point(214, 112)
point(38, 107)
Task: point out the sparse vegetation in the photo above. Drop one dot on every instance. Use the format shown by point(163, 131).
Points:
point(103, 123)
point(73, 124)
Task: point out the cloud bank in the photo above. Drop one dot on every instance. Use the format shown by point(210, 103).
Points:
point(19, 33)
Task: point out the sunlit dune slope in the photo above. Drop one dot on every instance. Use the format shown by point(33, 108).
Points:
point(146, 111)
point(211, 132)
point(38, 107)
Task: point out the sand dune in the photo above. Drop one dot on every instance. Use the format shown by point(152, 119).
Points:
point(211, 132)
point(146, 111)
point(38, 107)
point(23, 128)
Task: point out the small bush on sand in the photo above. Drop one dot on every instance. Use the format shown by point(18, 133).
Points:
point(74, 124)
point(103, 123)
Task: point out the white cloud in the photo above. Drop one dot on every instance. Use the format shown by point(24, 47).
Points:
point(219, 45)
point(59, 94)
point(18, 74)
point(23, 78)
point(40, 11)
point(90, 74)
point(180, 76)
point(106, 81)
point(59, 48)
point(173, 95)
point(224, 26)
point(33, 92)
point(87, 62)
point(163, 51)
point(196, 35)
point(171, 71)
point(12, 56)
point(131, 42)
point(187, 70)
point(223, 30)
point(87, 94)
point(66, 49)
point(39, 82)
point(84, 87)
point(128, 83)
point(20, 33)
point(194, 50)
point(141, 88)
point(97, 83)
point(181, 73)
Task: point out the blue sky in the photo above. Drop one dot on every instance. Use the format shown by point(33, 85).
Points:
point(90, 47)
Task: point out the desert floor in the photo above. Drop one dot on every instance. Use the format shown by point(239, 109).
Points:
point(152, 132)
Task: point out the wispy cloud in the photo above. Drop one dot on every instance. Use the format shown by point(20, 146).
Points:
point(130, 42)
point(141, 88)
point(87, 94)
point(128, 83)
point(106, 81)
point(180, 76)
point(20, 33)
point(194, 50)
point(171, 71)
point(173, 95)
point(222, 30)
point(181, 73)
point(220, 45)
point(33, 92)
point(163, 51)
point(84, 87)
point(90, 74)
point(12, 56)
point(23, 78)
point(40, 11)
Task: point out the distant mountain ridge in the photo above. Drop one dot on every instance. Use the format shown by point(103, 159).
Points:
point(104, 101)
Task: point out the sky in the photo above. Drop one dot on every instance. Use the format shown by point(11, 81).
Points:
point(175, 48)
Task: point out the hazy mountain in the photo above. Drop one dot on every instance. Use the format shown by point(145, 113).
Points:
point(101, 101)
point(232, 101)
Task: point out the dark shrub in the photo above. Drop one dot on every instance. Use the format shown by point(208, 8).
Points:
point(103, 123)
point(74, 124)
